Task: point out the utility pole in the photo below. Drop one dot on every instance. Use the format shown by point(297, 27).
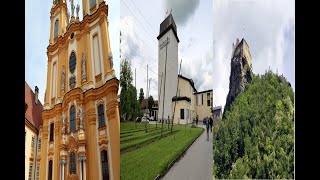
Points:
point(175, 102)
point(164, 86)
point(159, 94)
point(147, 91)
point(135, 108)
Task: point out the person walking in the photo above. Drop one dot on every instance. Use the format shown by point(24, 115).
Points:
point(207, 127)
point(211, 123)
point(197, 119)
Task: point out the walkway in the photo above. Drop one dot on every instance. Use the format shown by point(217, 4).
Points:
point(196, 164)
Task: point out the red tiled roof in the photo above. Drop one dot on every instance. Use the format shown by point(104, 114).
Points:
point(33, 113)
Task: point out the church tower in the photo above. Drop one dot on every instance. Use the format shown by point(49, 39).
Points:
point(80, 134)
point(167, 66)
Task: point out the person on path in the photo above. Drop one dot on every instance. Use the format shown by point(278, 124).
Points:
point(197, 119)
point(207, 127)
point(211, 123)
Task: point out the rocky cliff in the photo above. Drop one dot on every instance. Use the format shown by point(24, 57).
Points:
point(241, 71)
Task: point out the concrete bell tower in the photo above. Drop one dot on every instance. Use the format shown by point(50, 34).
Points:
point(167, 66)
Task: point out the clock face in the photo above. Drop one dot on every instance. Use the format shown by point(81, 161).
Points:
point(72, 62)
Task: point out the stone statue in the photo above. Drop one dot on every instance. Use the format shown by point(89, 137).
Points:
point(68, 16)
point(63, 122)
point(81, 117)
point(83, 68)
point(63, 79)
point(72, 8)
point(77, 10)
point(111, 60)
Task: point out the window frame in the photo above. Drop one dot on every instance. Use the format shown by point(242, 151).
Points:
point(73, 123)
point(101, 118)
point(104, 165)
point(72, 62)
point(51, 138)
point(182, 113)
point(72, 164)
point(56, 29)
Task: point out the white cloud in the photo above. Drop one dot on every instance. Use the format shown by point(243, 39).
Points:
point(263, 24)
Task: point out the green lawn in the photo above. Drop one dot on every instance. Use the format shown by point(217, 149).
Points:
point(145, 155)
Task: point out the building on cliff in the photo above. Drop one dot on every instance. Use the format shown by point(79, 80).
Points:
point(241, 71)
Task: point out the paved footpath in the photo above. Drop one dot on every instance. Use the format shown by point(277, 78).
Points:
point(196, 164)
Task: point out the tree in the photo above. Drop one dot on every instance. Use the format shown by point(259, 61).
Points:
point(150, 103)
point(256, 136)
point(128, 93)
point(141, 95)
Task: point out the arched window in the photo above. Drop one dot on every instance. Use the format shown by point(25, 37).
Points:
point(50, 170)
point(56, 28)
point(104, 161)
point(72, 62)
point(72, 169)
point(51, 131)
point(72, 119)
point(101, 116)
point(92, 3)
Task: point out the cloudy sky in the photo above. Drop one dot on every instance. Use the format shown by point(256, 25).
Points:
point(206, 30)
point(140, 24)
point(268, 26)
point(37, 26)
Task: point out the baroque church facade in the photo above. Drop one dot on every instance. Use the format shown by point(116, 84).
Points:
point(80, 134)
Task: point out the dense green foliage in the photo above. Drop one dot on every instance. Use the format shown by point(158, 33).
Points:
point(128, 94)
point(151, 159)
point(256, 137)
point(150, 103)
point(141, 95)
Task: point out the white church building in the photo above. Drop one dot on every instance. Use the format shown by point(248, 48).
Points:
point(189, 102)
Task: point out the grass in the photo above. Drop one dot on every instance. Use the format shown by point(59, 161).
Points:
point(150, 154)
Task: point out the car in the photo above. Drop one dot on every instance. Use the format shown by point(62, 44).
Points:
point(138, 119)
point(145, 119)
point(152, 118)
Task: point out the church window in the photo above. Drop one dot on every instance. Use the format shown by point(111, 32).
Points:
point(104, 160)
point(101, 116)
point(51, 131)
point(72, 62)
point(72, 119)
point(92, 3)
point(50, 170)
point(72, 164)
point(56, 28)
point(96, 55)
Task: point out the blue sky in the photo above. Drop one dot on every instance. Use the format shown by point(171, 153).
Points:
point(140, 24)
point(37, 32)
point(268, 26)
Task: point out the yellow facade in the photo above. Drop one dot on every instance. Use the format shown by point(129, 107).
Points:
point(81, 132)
point(191, 103)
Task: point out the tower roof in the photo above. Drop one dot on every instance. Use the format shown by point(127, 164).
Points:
point(33, 112)
point(166, 25)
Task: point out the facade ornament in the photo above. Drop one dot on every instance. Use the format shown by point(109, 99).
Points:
point(68, 16)
point(111, 60)
point(82, 158)
point(83, 68)
point(63, 161)
point(72, 8)
point(63, 79)
point(64, 122)
point(72, 81)
point(81, 117)
point(77, 10)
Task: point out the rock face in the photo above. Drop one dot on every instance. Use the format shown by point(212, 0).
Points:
point(241, 71)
